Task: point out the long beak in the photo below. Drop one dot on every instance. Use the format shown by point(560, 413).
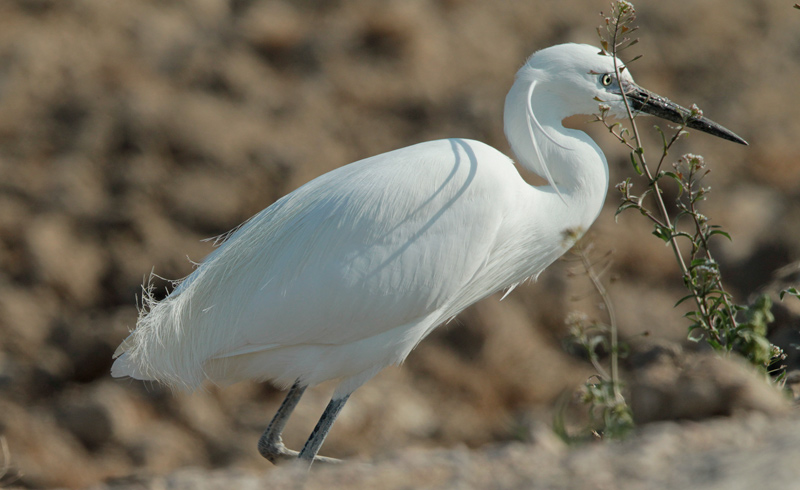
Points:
point(645, 101)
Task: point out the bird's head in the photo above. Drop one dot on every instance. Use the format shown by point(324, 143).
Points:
point(575, 78)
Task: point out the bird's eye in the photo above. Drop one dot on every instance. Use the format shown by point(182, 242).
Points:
point(605, 79)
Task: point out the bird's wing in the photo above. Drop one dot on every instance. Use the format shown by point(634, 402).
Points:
point(363, 249)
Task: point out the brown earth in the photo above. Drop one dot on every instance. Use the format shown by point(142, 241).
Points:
point(722, 454)
point(130, 131)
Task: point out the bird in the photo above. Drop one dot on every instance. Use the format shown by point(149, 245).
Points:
point(348, 273)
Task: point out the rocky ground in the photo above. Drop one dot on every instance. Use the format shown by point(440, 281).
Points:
point(130, 131)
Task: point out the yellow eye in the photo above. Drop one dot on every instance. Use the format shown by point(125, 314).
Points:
point(605, 80)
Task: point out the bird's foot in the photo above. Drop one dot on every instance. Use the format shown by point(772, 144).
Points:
point(276, 452)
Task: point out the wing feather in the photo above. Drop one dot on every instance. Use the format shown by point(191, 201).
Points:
point(352, 254)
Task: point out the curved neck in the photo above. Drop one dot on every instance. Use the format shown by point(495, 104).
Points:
point(575, 163)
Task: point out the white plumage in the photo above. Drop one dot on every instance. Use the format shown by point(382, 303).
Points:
point(345, 275)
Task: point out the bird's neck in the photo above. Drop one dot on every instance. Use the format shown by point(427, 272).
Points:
point(577, 167)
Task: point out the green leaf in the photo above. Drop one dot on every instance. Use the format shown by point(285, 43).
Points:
point(663, 137)
point(722, 295)
point(636, 166)
point(625, 206)
point(720, 232)
point(662, 232)
point(694, 339)
point(793, 291)
point(688, 296)
point(697, 262)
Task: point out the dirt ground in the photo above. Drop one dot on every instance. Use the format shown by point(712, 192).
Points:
point(131, 131)
point(745, 453)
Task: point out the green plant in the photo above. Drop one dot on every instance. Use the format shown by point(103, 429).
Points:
point(610, 415)
point(715, 318)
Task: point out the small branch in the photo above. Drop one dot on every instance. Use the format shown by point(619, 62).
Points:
point(594, 277)
point(639, 152)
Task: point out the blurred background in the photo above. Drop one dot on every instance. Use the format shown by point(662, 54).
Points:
point(131, 131)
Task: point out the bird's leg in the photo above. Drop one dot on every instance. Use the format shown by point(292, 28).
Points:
point(270, 445)
point(309, 452)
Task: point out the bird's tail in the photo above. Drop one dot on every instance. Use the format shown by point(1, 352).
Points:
point(161, 347)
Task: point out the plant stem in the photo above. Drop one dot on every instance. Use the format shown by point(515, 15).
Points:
point(639, 151)
point(612, 320)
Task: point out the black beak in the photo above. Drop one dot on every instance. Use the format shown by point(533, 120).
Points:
point(645, 101)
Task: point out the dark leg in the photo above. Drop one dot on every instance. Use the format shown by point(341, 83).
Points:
point(310, 449)
point(270, 445)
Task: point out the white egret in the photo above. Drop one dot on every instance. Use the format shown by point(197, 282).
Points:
point(348, 273)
